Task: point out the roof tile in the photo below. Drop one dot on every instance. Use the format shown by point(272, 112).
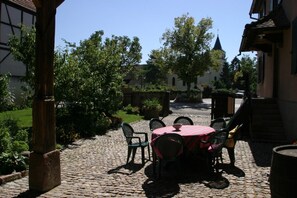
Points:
point(28, 4)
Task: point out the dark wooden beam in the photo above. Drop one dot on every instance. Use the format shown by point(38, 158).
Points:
point(44, 167)
point(38, 3)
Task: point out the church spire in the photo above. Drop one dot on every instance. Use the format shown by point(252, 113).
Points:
point(218, 45)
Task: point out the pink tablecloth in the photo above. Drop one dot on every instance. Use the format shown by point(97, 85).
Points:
point(192, 134)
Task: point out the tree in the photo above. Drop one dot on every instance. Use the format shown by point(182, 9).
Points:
point(6, 98)
point(246, 75)
point(155, 71)
point(99, 67)
point(226, 77)
point(23, 49)
point(88, 76)
point(186, 49)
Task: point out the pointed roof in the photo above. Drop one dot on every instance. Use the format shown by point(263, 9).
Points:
point(218, 45)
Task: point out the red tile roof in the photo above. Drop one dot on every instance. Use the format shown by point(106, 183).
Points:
point(28, 4)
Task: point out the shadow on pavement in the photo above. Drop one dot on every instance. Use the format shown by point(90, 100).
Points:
point(29, 193)
point(262, 152)
point(127, 169)
point(198, 106)
point(191, 172)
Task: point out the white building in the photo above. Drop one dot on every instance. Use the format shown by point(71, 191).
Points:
point(13, 14)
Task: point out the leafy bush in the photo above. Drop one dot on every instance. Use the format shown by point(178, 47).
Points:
point(224, 91)
point(115, 122)
point(6, 98)
point(20, 146)
point(21, 135)
point(102, 124)
point(66, 134)
point(5, 140)
point(12, 161)
point(131, 110)
point(151, 108)
point(152, 104)
point(12, 137)
point(11, 124)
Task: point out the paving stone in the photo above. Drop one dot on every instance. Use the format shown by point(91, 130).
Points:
point(97, 168)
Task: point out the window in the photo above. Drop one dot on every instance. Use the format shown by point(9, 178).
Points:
point(294, 47)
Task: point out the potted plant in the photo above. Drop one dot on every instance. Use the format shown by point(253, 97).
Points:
point(151, 108)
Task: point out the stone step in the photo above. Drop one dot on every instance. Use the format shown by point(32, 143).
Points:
point(266, 122)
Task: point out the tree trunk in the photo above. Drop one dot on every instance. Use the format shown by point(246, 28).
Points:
point(188, 88)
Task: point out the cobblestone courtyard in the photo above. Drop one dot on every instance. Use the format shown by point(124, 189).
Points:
point(97, 168)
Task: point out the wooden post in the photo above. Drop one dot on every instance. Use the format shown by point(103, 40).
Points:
point(44, 167)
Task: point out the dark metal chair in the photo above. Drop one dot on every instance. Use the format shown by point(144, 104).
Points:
point(135, 141)
point(156, 123)
point(167, 148)
point(218, 123)
point(183, 120)
point(232, 138)
point(215, 144)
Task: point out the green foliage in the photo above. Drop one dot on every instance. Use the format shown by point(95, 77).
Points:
point(226, 77)
point(131, 110)
point(12, 137)
point(90, 75)
point(12, 161)
point(24, 117)
point(127, 117)
point(246, 75)
point(151, 108)
point(6, 98)
point(11, 124)
point(102, 124)
point(66, 134)
point(152, 104)
point(5, 139)
point(20, 146)
point(186, 49)
point(23, 49)
point(156, 70)
point(115, 121)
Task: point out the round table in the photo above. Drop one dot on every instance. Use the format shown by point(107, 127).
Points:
point(192, 134)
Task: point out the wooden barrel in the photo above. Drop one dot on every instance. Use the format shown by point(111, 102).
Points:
point(283, 172)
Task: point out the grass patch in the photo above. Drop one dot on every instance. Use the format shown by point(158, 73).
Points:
point(128, 117)
point(24, 116)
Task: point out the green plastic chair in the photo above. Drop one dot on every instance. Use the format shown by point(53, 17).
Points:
point(135, 142)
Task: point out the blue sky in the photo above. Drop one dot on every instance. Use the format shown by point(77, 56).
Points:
point(148, 20)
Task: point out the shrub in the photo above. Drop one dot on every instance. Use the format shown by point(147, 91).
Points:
point(13, 138)
point(66, 133)
point(5, 140)
point(115, 122)
point(20, 146)
point(103, 123)
point(131, 110)
point(21, 135)
point(151, 108)
point(6, 98)
point(11, 124)
point(12, 161)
